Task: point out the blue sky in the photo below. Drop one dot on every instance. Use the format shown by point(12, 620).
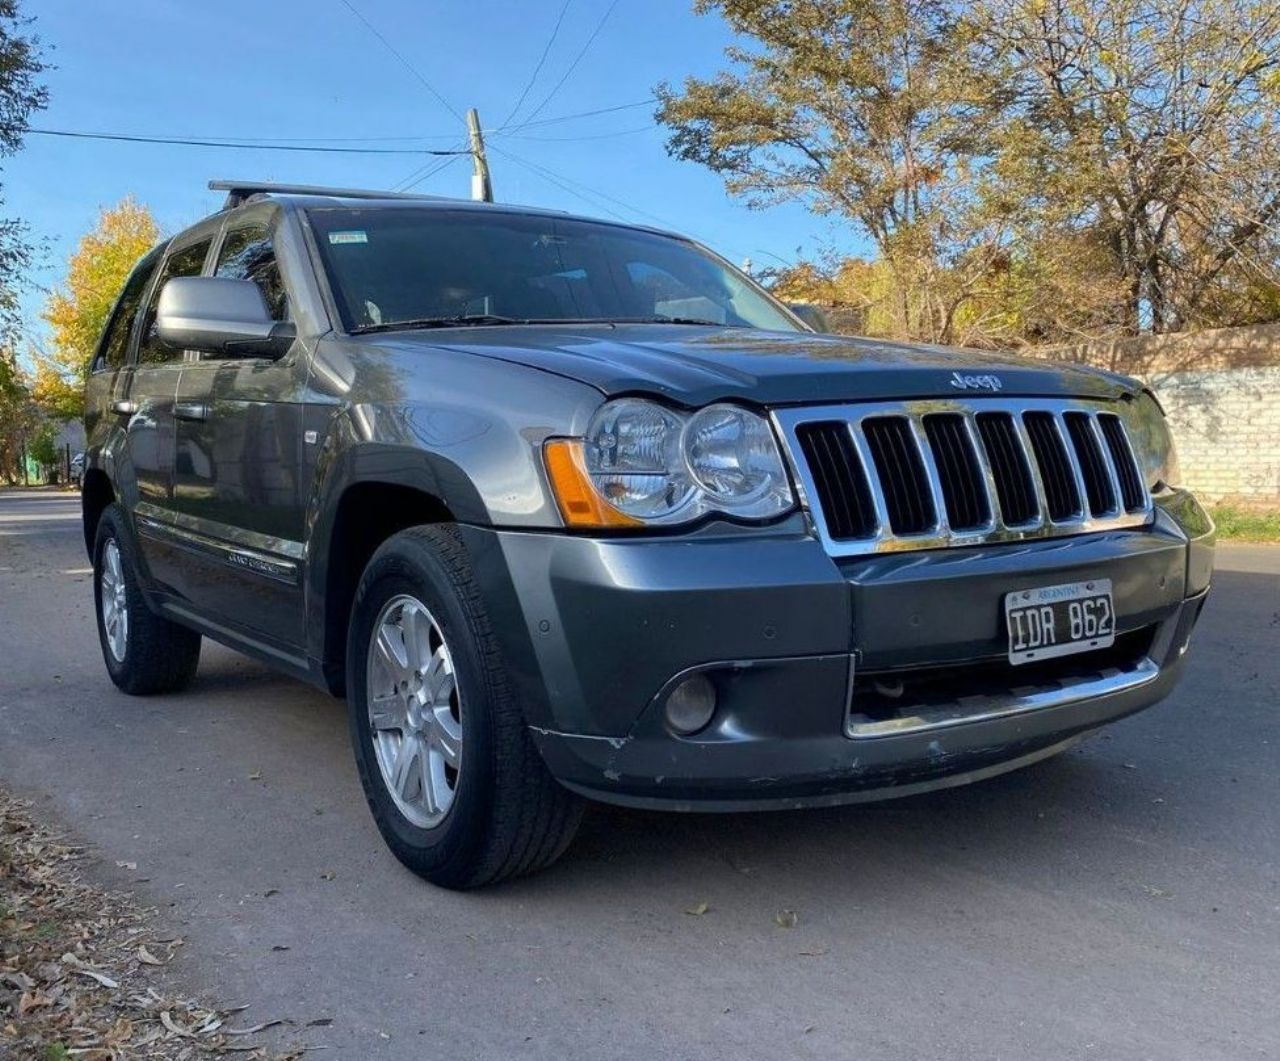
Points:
point(289, 69)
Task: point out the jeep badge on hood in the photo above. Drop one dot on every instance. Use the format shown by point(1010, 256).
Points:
point(964, 383)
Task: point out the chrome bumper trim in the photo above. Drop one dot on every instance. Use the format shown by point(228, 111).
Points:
point(948, 715)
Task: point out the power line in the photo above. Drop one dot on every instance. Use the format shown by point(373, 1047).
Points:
point(573, 65)
point(420, 173)
point(426, 173)
point(240, 145)
point(404, 62)
point(565, 183)
point(552, 174)
point(341, 139)
point(555, 30)
point(306, 139)
point(428, 169)
point(461, 145)
point(272, 140)
point(573, 117)
point(546, 175)
point(576, 139)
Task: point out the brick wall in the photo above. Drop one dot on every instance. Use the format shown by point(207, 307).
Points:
point(1157, 355)
point(1227, 427)
point(1221, 390)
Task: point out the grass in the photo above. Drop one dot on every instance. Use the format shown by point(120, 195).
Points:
point(1246, 525)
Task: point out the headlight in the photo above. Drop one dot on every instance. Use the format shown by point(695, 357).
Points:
point(642, 464)
point(1153, 443)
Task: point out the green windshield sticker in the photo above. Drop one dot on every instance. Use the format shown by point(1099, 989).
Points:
point(351, 236)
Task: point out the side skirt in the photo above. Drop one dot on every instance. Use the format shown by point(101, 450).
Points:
point(290, 663)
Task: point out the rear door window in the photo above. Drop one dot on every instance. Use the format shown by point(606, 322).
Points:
point(113, 348)
point(187, 261)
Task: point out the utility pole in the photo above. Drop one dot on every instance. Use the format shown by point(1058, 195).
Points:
point(481, 185)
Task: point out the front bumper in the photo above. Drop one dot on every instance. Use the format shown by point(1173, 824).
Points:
point(597, 630)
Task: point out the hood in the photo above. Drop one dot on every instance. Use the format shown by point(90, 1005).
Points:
point(695, 365)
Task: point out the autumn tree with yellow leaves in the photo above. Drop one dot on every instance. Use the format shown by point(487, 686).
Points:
point(77, 311)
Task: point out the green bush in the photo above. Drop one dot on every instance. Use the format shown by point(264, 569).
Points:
point(44, 447)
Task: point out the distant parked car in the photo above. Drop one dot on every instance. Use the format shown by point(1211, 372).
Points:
point(77, 470)
point(567, 508)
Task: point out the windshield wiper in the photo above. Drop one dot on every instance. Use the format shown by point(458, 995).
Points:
point(472, 320)
point(463, 320)
point(662, 318)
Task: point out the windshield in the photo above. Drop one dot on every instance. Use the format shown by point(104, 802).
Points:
point(423, 267)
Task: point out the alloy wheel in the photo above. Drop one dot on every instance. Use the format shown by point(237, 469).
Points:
point(113, 601)
point(415, 710)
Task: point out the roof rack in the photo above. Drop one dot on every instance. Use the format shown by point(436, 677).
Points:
point(239, 192)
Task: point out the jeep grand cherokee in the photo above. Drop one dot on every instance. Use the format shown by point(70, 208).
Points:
point(567, 508)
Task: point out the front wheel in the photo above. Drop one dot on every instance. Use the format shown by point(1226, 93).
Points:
point(144, 653)
point(457, 789)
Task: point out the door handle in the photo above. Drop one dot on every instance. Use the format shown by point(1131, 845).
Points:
point(124, 406)
point(191, 411)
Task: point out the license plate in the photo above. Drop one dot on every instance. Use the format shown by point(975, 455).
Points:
point(1059, 620)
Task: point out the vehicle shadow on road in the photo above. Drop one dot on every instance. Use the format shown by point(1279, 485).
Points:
point(1006, 819)
point(1022, 821)
point(1029, 830)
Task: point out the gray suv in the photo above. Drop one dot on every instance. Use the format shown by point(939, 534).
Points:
point(568, 509)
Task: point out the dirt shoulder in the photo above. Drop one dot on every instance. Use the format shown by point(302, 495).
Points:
point(83, 970)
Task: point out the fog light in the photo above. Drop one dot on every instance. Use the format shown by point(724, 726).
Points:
point(691, 704)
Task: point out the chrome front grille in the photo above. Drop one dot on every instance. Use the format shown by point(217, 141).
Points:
point(929, 474)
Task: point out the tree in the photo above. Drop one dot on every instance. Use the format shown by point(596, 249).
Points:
point(18, 415)
point(1028, 170)
point(43, 445)
point(20, 94)
point(77, 311)
point(1153, 125)
point(861, 108)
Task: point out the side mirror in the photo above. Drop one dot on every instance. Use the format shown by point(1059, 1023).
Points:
point(814, 316)
point(217, 315)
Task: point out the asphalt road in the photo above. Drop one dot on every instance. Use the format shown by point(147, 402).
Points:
point(1121, 901)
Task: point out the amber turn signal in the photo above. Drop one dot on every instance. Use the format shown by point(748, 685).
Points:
point(580, 504)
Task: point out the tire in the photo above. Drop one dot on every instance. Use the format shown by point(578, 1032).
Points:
point(144, 653)
point(500, 813)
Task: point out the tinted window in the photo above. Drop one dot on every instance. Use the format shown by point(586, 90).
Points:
point(189, 261)
point(114, 346)
point(247, 253)
point(413, 263)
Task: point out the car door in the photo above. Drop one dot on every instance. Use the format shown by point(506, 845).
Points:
point(107, 407)
point(236, 488)
point(147, 398)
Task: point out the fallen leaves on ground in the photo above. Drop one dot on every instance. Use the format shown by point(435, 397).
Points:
point(78, 967)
